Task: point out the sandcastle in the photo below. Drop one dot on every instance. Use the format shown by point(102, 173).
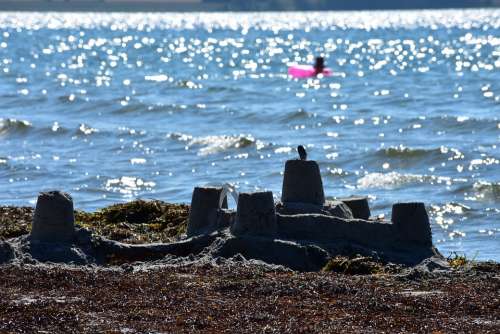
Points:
point(304, 215)
point(302, 231)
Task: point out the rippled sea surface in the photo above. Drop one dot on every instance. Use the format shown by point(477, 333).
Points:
point(111, 107)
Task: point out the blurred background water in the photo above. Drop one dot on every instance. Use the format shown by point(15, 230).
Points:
point(111, 107)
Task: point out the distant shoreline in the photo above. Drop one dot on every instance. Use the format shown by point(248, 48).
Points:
point(213, 6)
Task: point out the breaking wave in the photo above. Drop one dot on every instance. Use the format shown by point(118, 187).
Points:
point(214, 144)
point(487, 190)
point(11, 125)
point(402, 152)
point(462, 124)
point(395, 179)
point(387, 180)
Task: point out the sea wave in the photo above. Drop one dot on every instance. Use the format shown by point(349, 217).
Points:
point(144, 107)
point(387, 180)
point(55, 129)
point(214, 144)
point(450, 208)
point(487, 190)
point(130, 107)
point(14, 126)
point(219, 89)
point(402, 152)
point(395, 179)
point(128, 185)
point(460, 123)
point(87, 130)
point(296, 115)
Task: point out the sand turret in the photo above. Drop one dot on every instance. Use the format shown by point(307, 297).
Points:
point(255, 214)
point(302, 183)
point(54, 219)
point(358, 205)
point(411, 223)
point(205, 205)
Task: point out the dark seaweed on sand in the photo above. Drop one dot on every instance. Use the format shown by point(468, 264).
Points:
point(243, 299)
point(135, 222)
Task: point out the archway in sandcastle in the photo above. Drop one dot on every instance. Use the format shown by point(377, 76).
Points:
point(228, 197)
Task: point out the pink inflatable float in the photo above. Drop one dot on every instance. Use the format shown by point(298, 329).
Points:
point(306, 71)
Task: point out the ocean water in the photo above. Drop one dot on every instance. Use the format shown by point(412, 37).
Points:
point(111, 107)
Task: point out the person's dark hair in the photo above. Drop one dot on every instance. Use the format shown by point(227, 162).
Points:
point(319, 64)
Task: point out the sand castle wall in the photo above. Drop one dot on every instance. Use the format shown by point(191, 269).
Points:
point(301, 232)
point(303, 215)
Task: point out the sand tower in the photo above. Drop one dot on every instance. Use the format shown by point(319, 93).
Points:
point(411, 222)
point(54, 220)
point(205, 206)
point(255, 214)
point(302, 183)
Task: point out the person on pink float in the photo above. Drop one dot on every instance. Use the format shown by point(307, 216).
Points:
point(308, 71)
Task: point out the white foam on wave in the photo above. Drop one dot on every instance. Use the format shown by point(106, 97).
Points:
point(484, 190)
point(158, 78)
point(11, 124)
point(448, 214)
point(395, 179)
point(86, 129)
point(387, 180)
point(128, 185)
point(215, 144)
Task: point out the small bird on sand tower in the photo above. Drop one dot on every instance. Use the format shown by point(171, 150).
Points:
point(302, 152)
